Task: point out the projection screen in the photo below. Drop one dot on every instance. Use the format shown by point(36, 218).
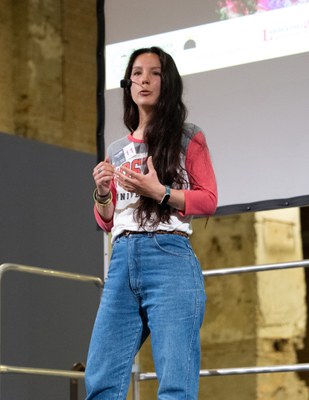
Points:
point(245, 67)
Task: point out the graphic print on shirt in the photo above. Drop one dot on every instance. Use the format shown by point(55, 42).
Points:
point(128, 158)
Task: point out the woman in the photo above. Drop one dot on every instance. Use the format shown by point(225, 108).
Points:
point(151, 183)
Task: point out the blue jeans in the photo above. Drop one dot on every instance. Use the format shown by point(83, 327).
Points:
point(154, 285)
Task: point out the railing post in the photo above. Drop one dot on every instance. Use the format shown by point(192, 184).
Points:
point(135, 388)
point(74, 382)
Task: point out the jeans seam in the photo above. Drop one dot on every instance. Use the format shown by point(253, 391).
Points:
point(197, 304)
point(129, 358)
point(197, 308)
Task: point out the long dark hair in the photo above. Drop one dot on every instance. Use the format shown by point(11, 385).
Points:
point(163, 133)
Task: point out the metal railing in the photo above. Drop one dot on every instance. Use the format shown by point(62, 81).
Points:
point(205, 373)
point(146, 376)
point(256, 268)
point(9, 369)
point(50, 273)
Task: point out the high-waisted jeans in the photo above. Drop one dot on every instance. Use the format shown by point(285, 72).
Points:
point(154, 285)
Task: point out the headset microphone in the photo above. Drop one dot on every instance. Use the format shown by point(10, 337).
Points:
point(125, 83)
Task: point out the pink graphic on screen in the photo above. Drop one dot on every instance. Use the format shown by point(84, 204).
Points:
point(238, 8)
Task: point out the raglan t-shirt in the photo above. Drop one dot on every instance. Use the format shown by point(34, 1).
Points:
point(200, 192)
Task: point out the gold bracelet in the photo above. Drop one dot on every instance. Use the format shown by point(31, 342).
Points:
point(104, 203)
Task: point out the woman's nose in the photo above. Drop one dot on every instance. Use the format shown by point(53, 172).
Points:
point(145, 79)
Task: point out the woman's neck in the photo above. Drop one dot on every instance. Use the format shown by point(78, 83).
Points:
point(143, 121)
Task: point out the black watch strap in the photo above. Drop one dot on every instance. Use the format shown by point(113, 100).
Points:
point(166, 196)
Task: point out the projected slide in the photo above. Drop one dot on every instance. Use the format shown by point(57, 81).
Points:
point(245, 32)
point(254, 113)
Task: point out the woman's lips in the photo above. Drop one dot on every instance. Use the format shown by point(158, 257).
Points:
point(144, 92)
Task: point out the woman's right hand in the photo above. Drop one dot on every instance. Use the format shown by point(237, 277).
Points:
point(103, 173)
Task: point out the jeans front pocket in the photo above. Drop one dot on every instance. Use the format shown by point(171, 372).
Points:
point(173, 244)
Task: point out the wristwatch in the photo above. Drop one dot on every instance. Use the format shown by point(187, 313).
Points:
point(166, 196)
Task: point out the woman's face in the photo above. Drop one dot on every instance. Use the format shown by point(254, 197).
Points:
point(146, 80)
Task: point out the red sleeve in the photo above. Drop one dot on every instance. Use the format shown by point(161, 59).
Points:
point(106, 225)
point(201, 199)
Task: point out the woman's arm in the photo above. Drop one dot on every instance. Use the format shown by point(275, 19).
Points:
point(202, 197)
point(104, 195)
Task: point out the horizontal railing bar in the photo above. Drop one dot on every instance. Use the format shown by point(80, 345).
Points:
point(255, 370)
point(6, 369)
point(147, 376)
point(257, 268)
point(51, 273)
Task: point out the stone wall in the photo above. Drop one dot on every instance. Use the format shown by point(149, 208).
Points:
point(80, 75)
point(6, 78)
point(48, 71)
point(281, 326)
point(38, 69)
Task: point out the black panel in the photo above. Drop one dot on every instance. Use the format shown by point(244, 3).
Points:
point(46, 220)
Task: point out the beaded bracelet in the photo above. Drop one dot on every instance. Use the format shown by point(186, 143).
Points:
point(103, 201)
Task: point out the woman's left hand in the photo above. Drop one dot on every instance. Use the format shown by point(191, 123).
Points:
point(145, 185)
